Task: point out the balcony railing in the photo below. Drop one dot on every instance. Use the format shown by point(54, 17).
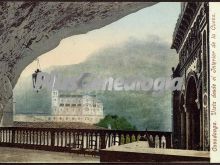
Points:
point(84, 141)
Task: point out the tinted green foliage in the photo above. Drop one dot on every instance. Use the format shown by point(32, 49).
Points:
point(142, 109)
point(116, 123)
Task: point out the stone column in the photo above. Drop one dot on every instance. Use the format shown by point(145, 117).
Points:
point(6, 101)
point(7, 119)
point(187, 129)
point(183, 130)
point(201, 128)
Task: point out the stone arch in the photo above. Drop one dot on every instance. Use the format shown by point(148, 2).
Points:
point(38, 27)
point(192, 114)
point(191, 79)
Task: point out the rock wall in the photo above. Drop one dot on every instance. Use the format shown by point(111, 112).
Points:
point(29, 29)
point(6, 100)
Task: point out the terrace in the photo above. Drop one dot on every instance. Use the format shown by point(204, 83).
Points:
point(19, 155)
point(109, 145)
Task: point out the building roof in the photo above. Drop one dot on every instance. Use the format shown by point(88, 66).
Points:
point(70, 95)
point(183, 23)
point(69, 125)
point(74, 95)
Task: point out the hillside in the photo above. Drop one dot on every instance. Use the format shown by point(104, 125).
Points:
point(152, 58)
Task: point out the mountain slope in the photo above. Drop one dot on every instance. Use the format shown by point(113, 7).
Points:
point(145, 58)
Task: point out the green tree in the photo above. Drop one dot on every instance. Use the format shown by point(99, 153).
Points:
point(116, 123)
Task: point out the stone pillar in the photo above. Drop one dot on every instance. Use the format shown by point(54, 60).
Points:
point(187, 130)
point(6, 101)
point(201, 129)
point(183, 130)
point(7, 119)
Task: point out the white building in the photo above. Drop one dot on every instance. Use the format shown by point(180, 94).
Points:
point(68, 107)
point(75, 108)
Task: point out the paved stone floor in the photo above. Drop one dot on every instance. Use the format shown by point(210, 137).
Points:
point(12, 155)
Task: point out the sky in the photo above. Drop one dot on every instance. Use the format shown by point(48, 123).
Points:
point(157, 20)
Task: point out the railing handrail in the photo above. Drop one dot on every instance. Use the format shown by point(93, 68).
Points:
point(85, 140)
point(84, 130)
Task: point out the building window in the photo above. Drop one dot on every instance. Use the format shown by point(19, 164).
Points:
point(61, 105)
